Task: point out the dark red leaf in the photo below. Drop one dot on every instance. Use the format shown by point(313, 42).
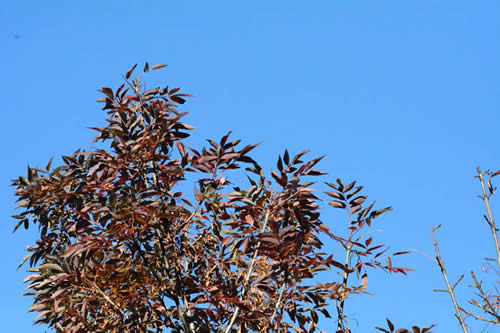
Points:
point(130, 72)
point(173, 91)
point(108, 92)
point(286, 157)
point(177, 99)
point(391, 326)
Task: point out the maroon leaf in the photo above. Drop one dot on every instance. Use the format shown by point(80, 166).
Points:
point(108, 92)
point(129, 73)
point(173, 91)
point(391, 326)
point(177, 99)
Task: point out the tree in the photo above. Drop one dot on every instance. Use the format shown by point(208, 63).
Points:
point(123, 247)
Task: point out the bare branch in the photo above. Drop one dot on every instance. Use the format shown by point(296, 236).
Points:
point(450, 288)
point(477, 317)
point(488, 307)
point(490, 220)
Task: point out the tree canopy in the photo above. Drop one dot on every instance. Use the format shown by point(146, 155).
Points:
point(124, 246)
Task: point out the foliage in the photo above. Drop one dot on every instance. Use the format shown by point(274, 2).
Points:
point(414, 329)
point(122, 248)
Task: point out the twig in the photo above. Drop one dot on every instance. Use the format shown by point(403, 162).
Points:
point(425, 254)
point(109, 300)
point(247, 278)
point(491, 221)
point(278, 301)
point(450, 289)
point(340, 307)
point(485, 298)
point(477, 317)
point(311, 323)
point(178, 289)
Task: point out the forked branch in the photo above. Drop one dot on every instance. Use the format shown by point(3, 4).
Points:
point(450, 289)
point(487, 306)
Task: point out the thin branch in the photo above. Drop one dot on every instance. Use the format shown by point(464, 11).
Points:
point(458, 281)
point(425, 254)
point(450, 288)
point(278, 302)
point(492, 311)
point(179, 289)
point(340, 307)
point(477, 317)
point(311, 323)
point(491, 221)
point(247, 278)
point(106, 297)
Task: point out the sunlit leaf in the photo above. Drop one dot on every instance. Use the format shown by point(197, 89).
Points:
point(158, 66)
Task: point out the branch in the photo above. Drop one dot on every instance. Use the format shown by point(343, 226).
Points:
point(247, 278)
point(477, 317)
point(340, 307)
point(491, 221)
point(279, 301)
point(179, 291)
point(492, 311)
point(113, 304)
point(450, 288)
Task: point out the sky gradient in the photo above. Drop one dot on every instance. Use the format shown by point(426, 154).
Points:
point(402, 96)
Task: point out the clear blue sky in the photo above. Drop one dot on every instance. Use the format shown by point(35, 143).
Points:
point(402, 96)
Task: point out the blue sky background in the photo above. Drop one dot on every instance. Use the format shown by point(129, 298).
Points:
point(401, 96)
